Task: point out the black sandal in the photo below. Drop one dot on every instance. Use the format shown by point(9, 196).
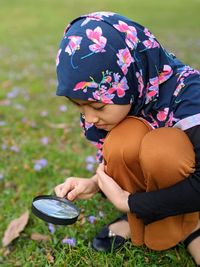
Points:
point(106, 240)
point(190, 238)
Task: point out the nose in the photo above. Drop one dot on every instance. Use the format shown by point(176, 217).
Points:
point(90, 115)
point(91, 118)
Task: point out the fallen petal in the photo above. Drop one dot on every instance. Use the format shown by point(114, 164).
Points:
point(69, 241)
point(52, 228)
point(92, 219)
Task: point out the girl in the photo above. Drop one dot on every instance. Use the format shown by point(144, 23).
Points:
point(141, 107)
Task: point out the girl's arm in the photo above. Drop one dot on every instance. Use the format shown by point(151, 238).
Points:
point(112, 190)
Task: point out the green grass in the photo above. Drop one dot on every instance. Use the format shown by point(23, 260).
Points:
point(30, 32)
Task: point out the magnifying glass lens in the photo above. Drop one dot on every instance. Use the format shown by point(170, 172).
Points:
point(55, 210)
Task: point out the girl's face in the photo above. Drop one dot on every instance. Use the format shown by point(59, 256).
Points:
point(103, 116)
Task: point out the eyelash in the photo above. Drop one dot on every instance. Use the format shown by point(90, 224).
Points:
point(100, 108)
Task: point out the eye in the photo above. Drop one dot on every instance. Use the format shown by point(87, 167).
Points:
point(99, 108)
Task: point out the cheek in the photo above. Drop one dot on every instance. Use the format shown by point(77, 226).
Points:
point(122, 114)
point(117, 117)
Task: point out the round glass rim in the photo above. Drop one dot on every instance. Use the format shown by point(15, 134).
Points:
point(53, 219)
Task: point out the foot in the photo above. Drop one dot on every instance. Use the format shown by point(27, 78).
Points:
point(194, 247)
point(112, 236)
point(120, 228)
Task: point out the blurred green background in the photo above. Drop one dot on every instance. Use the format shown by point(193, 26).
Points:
point(30, 32)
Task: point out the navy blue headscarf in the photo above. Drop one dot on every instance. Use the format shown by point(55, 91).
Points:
point(108, 58)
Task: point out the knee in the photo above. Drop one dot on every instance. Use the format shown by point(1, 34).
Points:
point(123, 142)
point(166, 153)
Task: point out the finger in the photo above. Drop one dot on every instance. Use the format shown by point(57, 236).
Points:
point(62, 189)
point(67, 187)
point(58, 190)
point(101, 166)
point(100, 172)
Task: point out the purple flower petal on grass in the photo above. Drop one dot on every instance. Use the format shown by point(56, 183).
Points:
point(43, 113)
point(13, 93)
point(90, 159)
point(92, 219)
point(2, 123)
point(33, 124)
point(63, 108)
point(37, 167)
point(42, 162)
point(14, 149)
point(4, 147)
point(69, 241)
point(51, 228)
point(90, 167)
point(1, 176)
point(39, 164)
point(24, 120)
point(44, 140)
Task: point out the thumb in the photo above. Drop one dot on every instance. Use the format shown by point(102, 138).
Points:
point(100, 169)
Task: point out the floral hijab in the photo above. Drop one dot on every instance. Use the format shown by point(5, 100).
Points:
point(108, 58)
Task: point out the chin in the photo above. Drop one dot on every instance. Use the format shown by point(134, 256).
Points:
point(109, 128)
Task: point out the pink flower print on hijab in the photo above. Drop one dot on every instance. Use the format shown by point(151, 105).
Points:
point(57, 57)
point(72, 47)
point(96, 36)
point(152, 89)
point(162, 114)
point(99, 41)
point(125, 59)
point(119, 86)
point(74, 44)
point(140, 84)
point(84, 85)
point(86, 125)
point(109, 86)
point(151, 43)
point(96, 16)
point(185, 72)
point(103, 95)
point(165, 74)
point(131, 33)
point(171, 120)
point(153, 85)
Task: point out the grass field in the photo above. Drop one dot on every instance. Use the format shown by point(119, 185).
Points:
point(35, 125)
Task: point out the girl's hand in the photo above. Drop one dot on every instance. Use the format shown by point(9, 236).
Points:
point(77, 188)
point(112, 190)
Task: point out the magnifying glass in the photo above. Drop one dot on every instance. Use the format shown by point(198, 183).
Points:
point(55, 210)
